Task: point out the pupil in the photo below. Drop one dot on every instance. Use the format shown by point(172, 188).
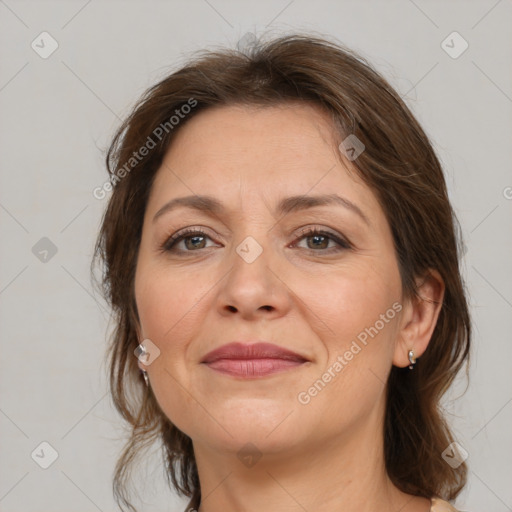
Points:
point(317, 238)
point(195, 239)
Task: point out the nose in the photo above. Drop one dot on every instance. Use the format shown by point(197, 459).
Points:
point(254, 286)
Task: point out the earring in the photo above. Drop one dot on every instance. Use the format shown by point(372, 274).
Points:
point(141, 349)
point(412, 359)
point(145, 375)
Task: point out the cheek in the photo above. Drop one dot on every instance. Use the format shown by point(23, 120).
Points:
point(347, 302)
point(361, 316)
point(166, 315)
point(168, 308)
point(358, 311)
point(166, 300)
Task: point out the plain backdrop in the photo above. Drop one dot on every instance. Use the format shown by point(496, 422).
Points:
point(58, 113)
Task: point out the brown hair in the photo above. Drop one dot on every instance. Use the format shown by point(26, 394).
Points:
point(398, 164)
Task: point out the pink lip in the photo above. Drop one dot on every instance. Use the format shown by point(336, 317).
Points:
point(252, 360)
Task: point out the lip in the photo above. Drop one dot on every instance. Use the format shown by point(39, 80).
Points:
point(250, 360)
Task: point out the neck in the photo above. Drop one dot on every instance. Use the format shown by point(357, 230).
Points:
point(335, 474)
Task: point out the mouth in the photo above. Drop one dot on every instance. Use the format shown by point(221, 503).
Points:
point(252, 360)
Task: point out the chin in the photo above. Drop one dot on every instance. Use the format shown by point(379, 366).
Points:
point(272, 427)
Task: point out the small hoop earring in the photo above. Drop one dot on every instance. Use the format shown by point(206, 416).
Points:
point(412, 359)
point(142, 352)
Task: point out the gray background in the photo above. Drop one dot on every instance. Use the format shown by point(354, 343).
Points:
point(57, 116)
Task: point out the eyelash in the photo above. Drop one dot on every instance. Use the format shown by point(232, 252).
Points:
point(169, 244)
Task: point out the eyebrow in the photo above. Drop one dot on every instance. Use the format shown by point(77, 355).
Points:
point(285, 206)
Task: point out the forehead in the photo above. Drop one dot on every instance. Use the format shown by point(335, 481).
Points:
point(237, 152)
point(255, 131)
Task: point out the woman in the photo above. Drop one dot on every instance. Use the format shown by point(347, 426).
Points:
point(281, 257)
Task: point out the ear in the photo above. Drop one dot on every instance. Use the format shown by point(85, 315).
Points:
point(419, 318)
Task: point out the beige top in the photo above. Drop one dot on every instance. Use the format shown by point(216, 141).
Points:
point(439, 505)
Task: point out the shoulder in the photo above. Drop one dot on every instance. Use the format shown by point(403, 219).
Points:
point(439, 505)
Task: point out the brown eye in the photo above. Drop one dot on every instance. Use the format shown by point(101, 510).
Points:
point(194, 242)
point(318, 241)
point(192, 239)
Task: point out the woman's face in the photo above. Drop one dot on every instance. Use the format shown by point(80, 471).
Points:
point(250, 270)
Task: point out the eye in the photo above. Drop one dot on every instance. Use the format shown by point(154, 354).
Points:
point(318, 241)
point(192, 238)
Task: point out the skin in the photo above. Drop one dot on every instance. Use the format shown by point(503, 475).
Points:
point(324, 455)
